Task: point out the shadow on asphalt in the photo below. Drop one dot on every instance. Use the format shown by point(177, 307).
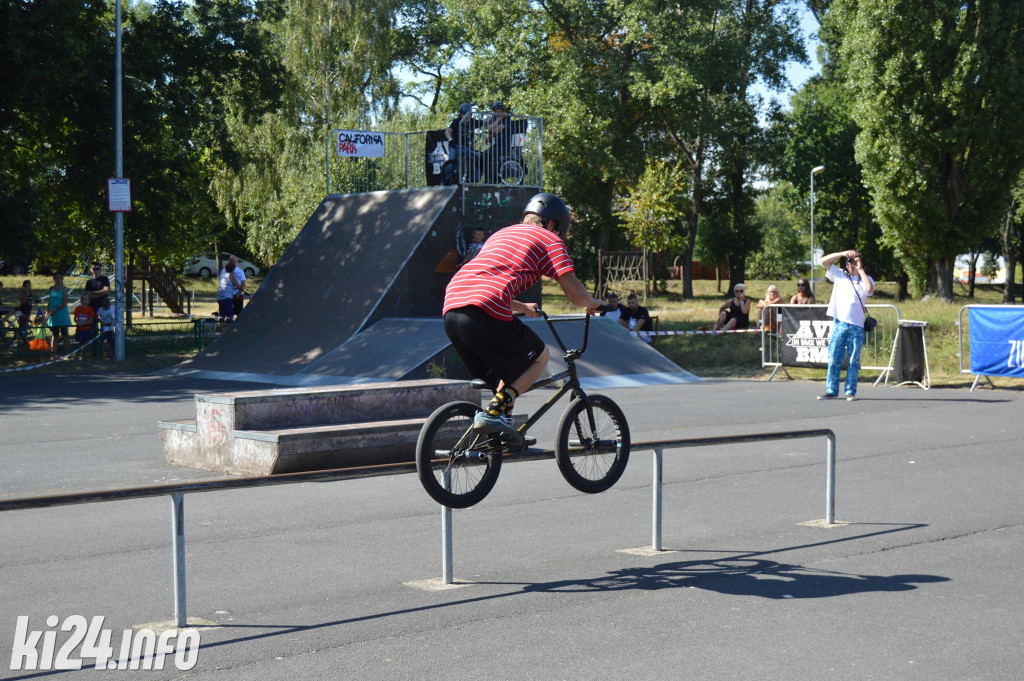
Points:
point(743, 574)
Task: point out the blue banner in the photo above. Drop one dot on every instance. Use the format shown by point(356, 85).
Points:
point(997, 341)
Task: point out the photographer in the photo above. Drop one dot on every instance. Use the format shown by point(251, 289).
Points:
point(851, 287)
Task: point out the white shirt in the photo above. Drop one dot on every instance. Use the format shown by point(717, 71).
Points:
point(106, 316)
point(848, 296)
point(614, 314)
point(240, 277)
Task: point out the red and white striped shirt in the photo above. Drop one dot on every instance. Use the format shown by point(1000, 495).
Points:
point(512, 260)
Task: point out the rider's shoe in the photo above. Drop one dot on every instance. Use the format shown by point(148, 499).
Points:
point(501, 424)
point(529, 440)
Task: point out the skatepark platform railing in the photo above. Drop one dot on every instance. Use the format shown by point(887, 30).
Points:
point(358, 161)
point(177, 492)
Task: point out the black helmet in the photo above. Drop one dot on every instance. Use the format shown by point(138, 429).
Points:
point(550, 207)
point(497, 105)
point(465, 108)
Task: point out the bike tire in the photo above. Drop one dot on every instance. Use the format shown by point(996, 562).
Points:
point(511, 173)
point(447, 444)
point(592, 460)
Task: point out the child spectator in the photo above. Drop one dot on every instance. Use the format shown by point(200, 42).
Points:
point(39, 341)
point(26, 299)
point(106, 317)
point(479, 237)
point(84, 318)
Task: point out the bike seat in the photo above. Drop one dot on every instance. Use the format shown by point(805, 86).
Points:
point(480, 384)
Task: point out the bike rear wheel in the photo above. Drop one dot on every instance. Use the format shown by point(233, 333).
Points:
point(457, 466)
point(592, 459)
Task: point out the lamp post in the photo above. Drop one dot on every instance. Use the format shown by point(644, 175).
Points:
point(817, 170)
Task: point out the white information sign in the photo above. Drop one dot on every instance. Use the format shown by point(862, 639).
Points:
point(119, 195)
point(360, 144)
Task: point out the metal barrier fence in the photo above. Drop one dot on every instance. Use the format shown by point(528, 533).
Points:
point(1007, 365)
point(365, 161)
point(168, 336)
point(177, 493)
point(876, 355)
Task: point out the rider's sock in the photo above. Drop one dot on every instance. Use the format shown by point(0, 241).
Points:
point(502, 401)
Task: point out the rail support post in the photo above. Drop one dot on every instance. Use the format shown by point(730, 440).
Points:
point(830, 479)
point(446, 536)
point(178, 545)
point(656, 500)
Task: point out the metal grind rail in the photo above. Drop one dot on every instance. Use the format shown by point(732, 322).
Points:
point(177, 492)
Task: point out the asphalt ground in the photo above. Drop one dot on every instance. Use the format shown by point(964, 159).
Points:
point(919, 579)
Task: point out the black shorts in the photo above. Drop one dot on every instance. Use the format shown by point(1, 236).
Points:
point(491, 348)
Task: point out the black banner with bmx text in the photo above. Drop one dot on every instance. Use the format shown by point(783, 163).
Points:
point(805, 334)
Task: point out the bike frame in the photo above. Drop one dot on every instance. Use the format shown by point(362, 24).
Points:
point(572, 382)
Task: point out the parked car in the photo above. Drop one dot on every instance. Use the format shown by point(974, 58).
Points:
point(205, 265)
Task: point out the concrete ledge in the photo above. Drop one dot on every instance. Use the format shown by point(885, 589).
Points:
point(263, 432)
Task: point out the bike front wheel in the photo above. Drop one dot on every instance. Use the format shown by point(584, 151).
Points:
point(592, 457)
point(457, 466)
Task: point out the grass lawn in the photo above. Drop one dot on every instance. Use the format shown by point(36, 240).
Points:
point(736, 355)
point(739, 355)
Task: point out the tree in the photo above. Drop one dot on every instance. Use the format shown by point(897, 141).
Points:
point(654, 209)
point(337, 61)
point(784, 243)
point(938, 101)
point(696, 65)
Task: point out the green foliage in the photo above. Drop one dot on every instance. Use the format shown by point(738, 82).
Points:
point(655, 208)
point(785, 244)
point(938, 97)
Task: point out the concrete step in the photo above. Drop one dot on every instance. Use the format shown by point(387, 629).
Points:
point(305, 448)
point(262, 432)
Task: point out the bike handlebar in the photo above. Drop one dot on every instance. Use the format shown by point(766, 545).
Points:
point(569, 355)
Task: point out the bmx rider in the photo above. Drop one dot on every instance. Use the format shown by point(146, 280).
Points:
point(480, 301)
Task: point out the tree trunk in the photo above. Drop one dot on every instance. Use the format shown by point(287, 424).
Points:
point(973, 272)
point(902, 288)
point(693, 215)
point(940, 280)
point(1009, 253)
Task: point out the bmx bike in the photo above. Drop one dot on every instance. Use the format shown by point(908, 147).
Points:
point(459, 466)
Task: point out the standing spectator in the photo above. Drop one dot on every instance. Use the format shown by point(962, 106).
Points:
point(635, 317)
point(98, 287)
point(107, 320)
point(479, 237)
point(238, 297)
point(499, 132)
point(26, 299)
point(803, 296)
point(227, 284)
point(612, 310)
point(58, 317)
point(767, 317)
point(84, 317)
point(735, 312)
point(851, 287)
point(460, 136)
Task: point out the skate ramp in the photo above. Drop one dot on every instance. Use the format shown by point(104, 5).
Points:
point(352, 263)
point(411, 349)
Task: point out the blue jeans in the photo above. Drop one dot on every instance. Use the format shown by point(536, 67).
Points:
point(844, 337)
point(450, 170)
